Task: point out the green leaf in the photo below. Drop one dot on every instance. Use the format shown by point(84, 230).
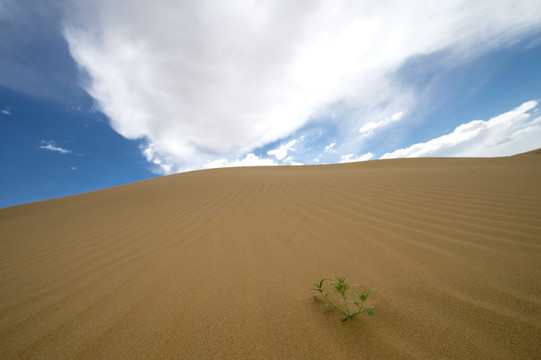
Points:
point(339, 285)
point(370, 311)
point(361, 296)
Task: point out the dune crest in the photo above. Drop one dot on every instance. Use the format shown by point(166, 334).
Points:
point(217, 264)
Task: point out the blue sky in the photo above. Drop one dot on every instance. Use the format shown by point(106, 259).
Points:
point(96, 94)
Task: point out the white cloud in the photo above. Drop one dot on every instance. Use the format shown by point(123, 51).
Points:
point(213, 80)
point(6, 111)
point(397, 116)
point(281, 152)
point(50, 145)
point(329, 147)
point(249, 160)
point(161, 165)
point(369, 128)
point(352, 158)
point(510, 133)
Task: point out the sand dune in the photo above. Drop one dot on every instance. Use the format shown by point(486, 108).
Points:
point(216, 264)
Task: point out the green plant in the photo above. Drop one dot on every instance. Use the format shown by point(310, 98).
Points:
point(340, 288)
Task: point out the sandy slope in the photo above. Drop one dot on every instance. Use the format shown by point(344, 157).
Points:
point(216, 264)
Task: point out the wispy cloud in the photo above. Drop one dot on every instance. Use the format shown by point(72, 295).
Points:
point(329, 147)
point(510, 133)
point(353, 158)
point(249, 160)
point(50, 145)
point(207, 81)
point(369, 128)
point(6, 111)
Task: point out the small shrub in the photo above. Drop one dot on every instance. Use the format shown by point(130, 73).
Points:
point(339, 289)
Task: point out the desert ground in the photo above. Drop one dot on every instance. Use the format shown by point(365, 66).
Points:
point(216, 264)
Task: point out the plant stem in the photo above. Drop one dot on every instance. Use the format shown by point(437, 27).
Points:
point(346, 303)
point(332, 302)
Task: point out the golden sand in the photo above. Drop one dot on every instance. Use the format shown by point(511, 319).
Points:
point(216, 264)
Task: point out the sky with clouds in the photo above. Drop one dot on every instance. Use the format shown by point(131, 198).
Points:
point(100, 93)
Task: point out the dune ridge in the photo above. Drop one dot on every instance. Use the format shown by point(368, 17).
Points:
point(217, 263)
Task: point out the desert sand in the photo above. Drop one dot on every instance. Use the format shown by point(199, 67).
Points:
point(216, 264)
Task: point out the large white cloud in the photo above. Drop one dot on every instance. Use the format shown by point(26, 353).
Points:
point(203, 81)
point(513, 132)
